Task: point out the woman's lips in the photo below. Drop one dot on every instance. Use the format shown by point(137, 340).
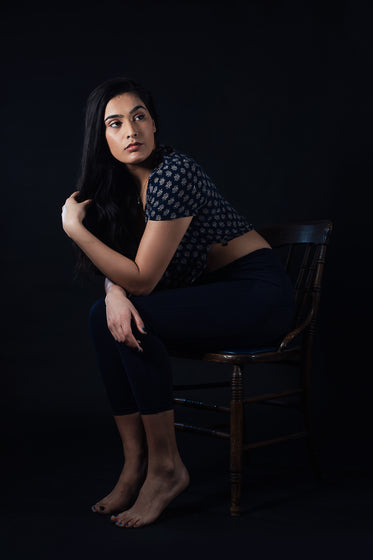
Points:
point(133, 147)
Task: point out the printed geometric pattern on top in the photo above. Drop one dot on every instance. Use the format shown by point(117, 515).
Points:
point(179, 187)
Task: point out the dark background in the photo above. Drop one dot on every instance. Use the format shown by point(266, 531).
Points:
point(274, 101)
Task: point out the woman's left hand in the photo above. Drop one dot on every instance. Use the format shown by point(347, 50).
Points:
point(73, 212)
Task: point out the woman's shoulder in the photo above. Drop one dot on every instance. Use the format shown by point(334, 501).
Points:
point(175, 187)
point(172, 160)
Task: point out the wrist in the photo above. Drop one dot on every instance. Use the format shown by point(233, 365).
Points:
point(114, 289)
point(73, 228)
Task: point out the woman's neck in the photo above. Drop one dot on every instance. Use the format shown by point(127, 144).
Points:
point(140, 172)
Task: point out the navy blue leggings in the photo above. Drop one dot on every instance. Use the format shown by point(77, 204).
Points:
point(248, 303)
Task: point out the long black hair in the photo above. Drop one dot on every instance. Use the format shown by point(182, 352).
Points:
point(113, 214)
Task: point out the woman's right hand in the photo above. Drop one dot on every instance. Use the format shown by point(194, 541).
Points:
point(119, 313)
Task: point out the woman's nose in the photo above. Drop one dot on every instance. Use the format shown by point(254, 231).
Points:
point(130, 130)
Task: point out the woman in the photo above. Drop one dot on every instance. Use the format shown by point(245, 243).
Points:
point(181, 268)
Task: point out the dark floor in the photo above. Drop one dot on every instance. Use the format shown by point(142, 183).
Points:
point(55, 468)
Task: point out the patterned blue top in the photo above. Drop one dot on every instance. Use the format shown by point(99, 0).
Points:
point(179, 187)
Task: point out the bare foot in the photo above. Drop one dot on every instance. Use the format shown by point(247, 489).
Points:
point(155, 495)
point(123, 493)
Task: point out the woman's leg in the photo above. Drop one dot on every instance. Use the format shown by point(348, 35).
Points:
point(166, 477)
point(115, 380)
point(126, 415)
point(134, 381)
point(131, 430)
point(151, 380)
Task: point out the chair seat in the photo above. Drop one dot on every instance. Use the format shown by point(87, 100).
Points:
point(256, 354)
point(258, 349)
point(247, 351)
point(235, 351)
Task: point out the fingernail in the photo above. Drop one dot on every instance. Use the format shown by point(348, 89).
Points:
point(144, 331)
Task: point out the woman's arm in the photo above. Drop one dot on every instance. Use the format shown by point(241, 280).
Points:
point(157, 247)
point(120, 312)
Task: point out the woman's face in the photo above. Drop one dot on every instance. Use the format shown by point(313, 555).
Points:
point(128, 121)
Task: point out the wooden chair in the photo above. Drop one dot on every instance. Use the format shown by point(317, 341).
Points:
point(302, 247)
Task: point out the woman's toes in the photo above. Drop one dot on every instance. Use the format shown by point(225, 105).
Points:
point(123, 521)
point(132, 522)
point(127, 522)
point(98, 509)
point(117, 519)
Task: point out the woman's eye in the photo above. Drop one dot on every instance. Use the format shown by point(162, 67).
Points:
point(115, 124)
point(140, 117)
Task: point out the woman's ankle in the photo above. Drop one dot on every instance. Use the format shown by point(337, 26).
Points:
point(136, 463)
point(165, 466)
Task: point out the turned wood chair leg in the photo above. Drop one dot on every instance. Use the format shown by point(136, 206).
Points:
point(236, 434)
point(246, 453)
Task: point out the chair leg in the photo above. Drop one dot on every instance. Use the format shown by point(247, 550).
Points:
point(236, 434)
point(246, 453)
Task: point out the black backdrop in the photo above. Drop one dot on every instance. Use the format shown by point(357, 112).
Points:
point(273, 99)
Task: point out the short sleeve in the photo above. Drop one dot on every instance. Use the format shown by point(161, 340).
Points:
point(175, 190)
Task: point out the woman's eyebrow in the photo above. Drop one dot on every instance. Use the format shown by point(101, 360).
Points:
point(112, 117)
point(131, 111)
